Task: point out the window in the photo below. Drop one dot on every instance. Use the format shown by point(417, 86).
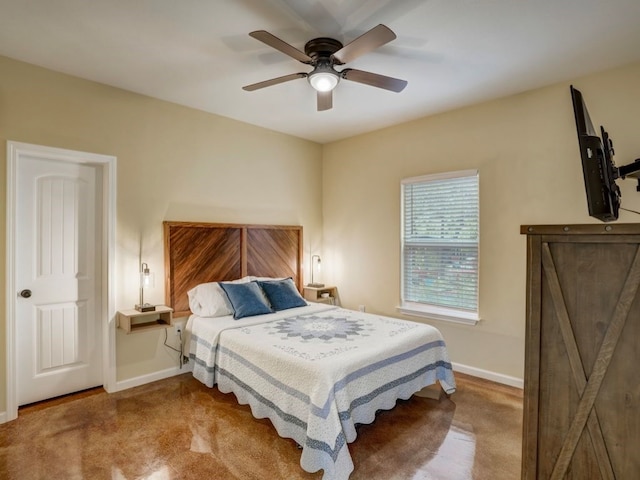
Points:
point(440, 233)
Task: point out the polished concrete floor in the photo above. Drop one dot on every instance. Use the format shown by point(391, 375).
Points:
point(179, 429)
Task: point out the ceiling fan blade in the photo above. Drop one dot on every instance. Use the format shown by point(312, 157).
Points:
point(273, 81)
point(284, 47)
point(374, 38)
point(325, 100)
point(374, 79)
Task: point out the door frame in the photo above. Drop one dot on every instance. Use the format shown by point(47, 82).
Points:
point(107, 164)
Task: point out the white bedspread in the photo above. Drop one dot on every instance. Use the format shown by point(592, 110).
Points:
point(318, 371)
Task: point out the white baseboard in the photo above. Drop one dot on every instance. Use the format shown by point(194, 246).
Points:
point(487, 375)
point(3, 417)
point(151, 377)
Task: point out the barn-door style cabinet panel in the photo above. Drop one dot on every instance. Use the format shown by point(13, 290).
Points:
point(582, 364)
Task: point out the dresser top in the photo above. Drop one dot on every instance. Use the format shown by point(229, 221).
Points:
point(585, 229)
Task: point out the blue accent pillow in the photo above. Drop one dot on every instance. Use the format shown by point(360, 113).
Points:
point(246, 299)
point(282, 294)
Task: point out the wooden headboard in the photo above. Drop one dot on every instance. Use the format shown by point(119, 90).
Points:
point(197, 253)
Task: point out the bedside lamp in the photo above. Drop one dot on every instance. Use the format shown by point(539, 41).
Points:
point(146, 281)
point(319, 262)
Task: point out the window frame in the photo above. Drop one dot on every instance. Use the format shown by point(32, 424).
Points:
point(468, 317)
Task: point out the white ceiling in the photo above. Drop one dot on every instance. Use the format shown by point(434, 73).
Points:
point(198, 52)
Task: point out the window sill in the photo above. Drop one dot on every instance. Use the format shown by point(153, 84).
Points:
point(444, 314)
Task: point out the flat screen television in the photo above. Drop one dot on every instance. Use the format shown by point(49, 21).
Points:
point(598, 167)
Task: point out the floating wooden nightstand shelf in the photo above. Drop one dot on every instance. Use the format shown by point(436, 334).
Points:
point(327, 294)
point(135, 321)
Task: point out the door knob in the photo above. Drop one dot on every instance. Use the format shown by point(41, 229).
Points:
point(26, 293)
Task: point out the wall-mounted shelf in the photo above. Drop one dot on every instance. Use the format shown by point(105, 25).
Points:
point(134, 321)
point(328, 294)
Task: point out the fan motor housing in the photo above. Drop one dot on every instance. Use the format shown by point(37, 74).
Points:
point(322, 47)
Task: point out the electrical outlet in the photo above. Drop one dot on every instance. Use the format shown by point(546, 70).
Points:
point(361, 308)
point(177, 328)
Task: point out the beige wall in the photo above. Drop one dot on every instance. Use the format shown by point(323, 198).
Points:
point(525, 148)
point(174, 163)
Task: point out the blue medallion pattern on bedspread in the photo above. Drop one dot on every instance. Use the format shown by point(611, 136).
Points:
point(317, 372)
point(327, 328)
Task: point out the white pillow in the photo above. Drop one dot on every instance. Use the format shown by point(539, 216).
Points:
point(209, 300)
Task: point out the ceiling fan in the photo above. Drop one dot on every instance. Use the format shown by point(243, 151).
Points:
point(323, 54)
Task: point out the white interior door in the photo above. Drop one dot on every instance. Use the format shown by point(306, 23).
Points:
point(57, 277)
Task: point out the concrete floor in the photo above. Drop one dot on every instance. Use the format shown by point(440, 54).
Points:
point(179, 429)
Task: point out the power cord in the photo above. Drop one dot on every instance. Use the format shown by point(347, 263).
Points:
point(629, 210)
point(166, 338)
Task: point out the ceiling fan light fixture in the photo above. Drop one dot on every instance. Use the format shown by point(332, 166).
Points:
point(322, 54)
point(324, 79)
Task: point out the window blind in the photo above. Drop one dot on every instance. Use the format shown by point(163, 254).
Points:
point(440, 240)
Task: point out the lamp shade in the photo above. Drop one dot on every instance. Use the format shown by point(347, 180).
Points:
point(146, 281)
point(315, 260)
point(323, 81)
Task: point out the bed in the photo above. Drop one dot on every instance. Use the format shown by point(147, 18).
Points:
point(315, 370)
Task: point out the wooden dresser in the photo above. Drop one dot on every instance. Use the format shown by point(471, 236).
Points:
point(582, 360)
